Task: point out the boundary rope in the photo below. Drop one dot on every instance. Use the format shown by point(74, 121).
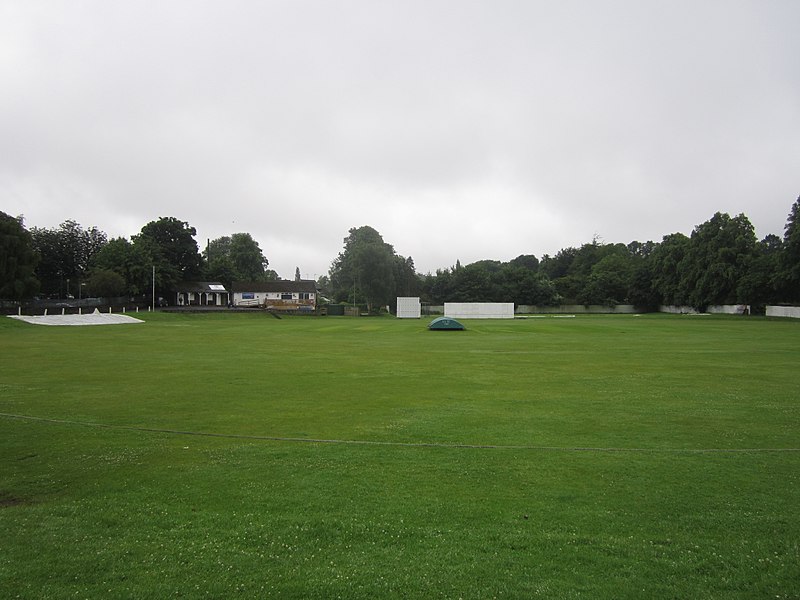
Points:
point(444, 445)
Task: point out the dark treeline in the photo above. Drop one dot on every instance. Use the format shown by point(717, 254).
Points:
point(69, 261)
point(721, 262)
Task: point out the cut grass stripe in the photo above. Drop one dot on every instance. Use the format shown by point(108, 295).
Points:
point(273, 438)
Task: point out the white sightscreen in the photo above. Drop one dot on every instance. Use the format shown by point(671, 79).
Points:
point(408, 308)
point(479, 310)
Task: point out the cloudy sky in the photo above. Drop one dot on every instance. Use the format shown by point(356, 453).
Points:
point(458, 129)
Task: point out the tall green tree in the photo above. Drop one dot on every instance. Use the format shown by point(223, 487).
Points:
point(66, 254)
point(571, 272)
point(473, 283)
point(760, 285)
point(667, 260)
point(610, 277)
point(790, 262)
point(641, 291)
point(525, 261)
point(437, 287)
point(50, 265)
point(587, 256)
point(248, 259)
point(719, 255)
point(236, 258)
point(17, 260)
point(117, 256)
point(171, 244)
point(407, 281)
point(524, 285)
point(364, 270)
point(105, 283)
point(133, 262)
point(559, 265)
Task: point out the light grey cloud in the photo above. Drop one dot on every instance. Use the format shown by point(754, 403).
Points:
point(459, 130)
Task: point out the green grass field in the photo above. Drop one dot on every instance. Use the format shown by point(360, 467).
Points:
point(237, 455)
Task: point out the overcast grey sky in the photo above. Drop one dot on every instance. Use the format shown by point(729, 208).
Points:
point(457, 129)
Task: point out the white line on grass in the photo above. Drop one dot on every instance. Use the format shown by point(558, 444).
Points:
point(271, 438)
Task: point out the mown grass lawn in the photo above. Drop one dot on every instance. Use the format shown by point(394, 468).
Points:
point(596, 457)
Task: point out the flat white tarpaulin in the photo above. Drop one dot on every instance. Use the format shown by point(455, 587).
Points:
point(479, 310)
point(95, 318)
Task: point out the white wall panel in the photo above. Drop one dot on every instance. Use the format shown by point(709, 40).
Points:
point(408, 308)
point(784, 311)
point(479, 310)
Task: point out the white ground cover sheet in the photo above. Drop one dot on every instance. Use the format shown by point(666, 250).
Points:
point(95, 318)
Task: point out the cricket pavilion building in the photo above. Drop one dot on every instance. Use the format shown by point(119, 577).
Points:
point(280, 295)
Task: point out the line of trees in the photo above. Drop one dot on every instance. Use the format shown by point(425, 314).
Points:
point(69, 261)
point(721, 262)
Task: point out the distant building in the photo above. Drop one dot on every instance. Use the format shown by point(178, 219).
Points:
point(199, 293)
point(282, 294)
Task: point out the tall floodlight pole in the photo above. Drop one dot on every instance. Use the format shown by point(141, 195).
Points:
point(154, 288)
